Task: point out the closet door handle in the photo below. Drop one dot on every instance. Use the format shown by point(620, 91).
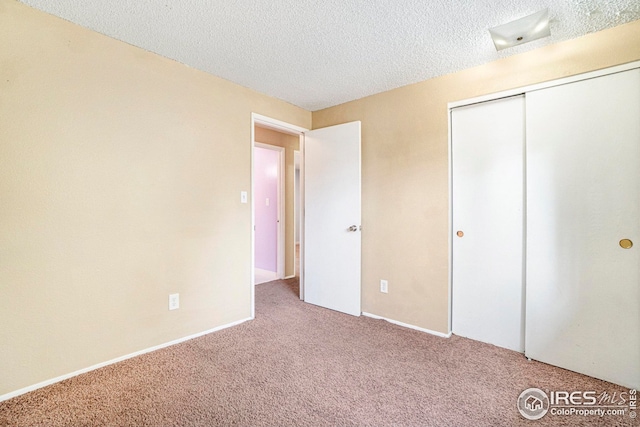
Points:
point(353, 228)
point(460, 233)
point(626, 243)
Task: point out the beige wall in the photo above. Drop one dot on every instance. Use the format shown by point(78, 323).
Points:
point(405, 168)
point(120, 181)
point(290, 143)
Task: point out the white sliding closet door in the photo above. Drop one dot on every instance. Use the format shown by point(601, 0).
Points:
point(583, 199)
point(487, 183)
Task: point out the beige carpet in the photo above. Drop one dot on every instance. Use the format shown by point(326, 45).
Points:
point(301, 365)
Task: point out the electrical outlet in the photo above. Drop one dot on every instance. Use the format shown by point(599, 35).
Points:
point(174, 301)
point(384, 286)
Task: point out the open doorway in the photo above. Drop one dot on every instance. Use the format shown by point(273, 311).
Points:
point(329, 183)
point(265, 130)
point(268, 180)
point(276, 230)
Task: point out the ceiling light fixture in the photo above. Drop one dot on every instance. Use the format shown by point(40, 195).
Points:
point(523, 30)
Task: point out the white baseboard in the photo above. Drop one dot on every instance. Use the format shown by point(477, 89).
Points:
point(263, 276)
point(406, 325)
point(290, 277)
point(112, 361)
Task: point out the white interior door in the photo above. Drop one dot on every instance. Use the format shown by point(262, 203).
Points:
point(487, 210)
point(332, 217)
point(583, 174)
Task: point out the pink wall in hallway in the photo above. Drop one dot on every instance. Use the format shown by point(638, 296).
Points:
point(265, 176)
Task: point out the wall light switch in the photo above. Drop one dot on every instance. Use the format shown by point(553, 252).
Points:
point(384, 286)
point(267, 201)
point(174, 301)
point(243, 197)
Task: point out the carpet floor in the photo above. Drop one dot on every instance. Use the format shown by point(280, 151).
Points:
point(301, 365)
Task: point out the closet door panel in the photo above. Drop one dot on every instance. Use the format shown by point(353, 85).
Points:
point(583, 198)
point(487, 184)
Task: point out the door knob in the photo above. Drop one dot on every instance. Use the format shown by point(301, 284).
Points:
point(353, 228)
point(460, 233)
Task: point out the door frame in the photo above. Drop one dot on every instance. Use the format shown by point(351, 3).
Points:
point(280, 232)
point(290, 129)
point(297, 206)
point(492, 97)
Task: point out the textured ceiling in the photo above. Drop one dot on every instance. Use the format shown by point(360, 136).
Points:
point(320, 53)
